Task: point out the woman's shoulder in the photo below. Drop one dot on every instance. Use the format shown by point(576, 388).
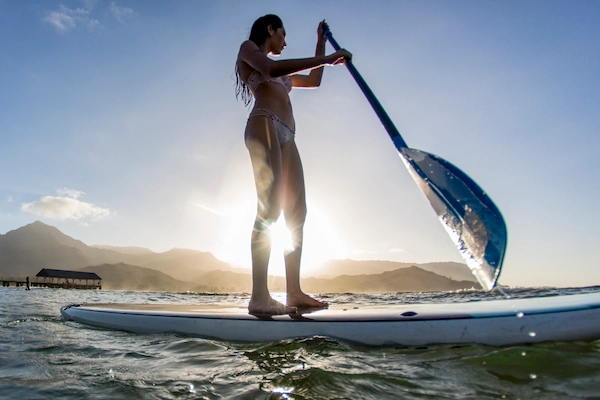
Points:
point(247, 52)
point(248, 46)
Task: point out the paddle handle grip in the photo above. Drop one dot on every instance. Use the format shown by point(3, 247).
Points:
point(383, 116)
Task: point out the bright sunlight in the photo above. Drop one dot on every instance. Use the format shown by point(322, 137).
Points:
point(281, 236)
point(320, 241)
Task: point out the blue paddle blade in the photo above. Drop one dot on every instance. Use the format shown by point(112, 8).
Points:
point(470, 217)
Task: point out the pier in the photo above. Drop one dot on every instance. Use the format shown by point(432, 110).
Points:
point(7, 282)
point(54, 278)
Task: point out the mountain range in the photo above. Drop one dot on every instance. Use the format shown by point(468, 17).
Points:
point(26, 250)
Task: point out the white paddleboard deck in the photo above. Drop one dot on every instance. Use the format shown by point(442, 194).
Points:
point(493, 322)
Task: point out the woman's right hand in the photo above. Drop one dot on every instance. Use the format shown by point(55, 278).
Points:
point(339, 57)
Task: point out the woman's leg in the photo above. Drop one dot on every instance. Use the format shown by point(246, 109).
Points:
point(294, 210)
point(265, 154)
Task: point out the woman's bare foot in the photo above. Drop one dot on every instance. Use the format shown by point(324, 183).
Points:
point(302, 300)
point(269, 306)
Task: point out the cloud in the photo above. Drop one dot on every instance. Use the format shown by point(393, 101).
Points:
point(66, 206)
point(92, 23)
point(89, 4)
point(121, 14)
point(73, 194)
point(65, 19)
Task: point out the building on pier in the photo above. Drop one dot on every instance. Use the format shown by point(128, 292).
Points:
point(56, 278)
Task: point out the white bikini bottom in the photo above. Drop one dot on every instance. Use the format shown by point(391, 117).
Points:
point(284, 132)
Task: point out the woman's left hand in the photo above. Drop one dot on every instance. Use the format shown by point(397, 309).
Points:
point(321, 31)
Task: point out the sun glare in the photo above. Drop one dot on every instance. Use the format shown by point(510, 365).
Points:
point(281, 244)
point(320, 241)
point(281, 236)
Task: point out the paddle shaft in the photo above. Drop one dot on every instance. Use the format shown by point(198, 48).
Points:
point(383, 116)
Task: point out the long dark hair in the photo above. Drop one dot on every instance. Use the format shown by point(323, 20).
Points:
point(258, 34)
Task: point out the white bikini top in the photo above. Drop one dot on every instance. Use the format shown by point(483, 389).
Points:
point(256, 79)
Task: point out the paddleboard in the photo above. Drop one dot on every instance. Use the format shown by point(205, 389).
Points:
point(493, 322)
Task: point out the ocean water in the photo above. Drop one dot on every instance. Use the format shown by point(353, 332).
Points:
point(44, 357)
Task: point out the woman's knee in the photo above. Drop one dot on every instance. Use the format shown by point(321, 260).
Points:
point(295, 218)
point(266, 217)
point(295, 210)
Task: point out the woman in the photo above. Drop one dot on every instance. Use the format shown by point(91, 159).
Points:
point(275, 160)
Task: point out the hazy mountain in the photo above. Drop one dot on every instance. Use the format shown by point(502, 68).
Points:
point(227, 281)
point(452, 270)
point(411, 279)
point(182, 264)
point(25, 251)
point(28, 249)
point(130, 250)
point(130, 277)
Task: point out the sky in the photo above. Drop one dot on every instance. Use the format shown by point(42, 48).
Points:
point(119, 125)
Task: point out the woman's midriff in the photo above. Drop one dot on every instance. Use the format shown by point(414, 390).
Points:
point(274, 97)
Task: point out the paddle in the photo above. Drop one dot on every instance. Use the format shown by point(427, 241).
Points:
point(472, 220)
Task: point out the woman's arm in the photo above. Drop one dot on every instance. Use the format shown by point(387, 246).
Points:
point(313, 79)
point(250, 54)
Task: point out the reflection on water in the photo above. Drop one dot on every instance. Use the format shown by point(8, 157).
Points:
point(42, 356)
